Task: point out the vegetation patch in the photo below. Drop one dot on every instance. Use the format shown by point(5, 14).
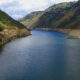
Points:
point(2, 27)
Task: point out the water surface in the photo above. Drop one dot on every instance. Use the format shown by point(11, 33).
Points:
point(45, 55)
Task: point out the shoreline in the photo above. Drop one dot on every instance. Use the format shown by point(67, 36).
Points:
point(8, 35)
point(73, 33)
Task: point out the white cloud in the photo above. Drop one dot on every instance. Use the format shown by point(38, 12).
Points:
point(59, 1)
point(16, 16)
point(2, 2)
point(15, 8)
point(31, 4)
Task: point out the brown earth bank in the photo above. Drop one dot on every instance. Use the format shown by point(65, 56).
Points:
point(10, 34)
point(73, 33)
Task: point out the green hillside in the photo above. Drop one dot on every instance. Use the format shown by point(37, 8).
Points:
point(30, 19)
point(7, 22)
point(50, 17)
point(71, 19)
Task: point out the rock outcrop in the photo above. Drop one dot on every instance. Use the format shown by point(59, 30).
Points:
point(10, 34)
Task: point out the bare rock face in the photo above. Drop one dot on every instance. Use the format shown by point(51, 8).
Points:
point(23, 33)
point(8, 35)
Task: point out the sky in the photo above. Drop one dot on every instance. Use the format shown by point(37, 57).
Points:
point(20, 8)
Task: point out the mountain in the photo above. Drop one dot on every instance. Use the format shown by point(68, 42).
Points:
point(30, 16)
point(71, 20)
point(51, 17)
point(10, 29)
point(6, 22)
point(28, 19)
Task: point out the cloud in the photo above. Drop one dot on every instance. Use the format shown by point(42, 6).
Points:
point(17, 16)
point(15, 6)
point(18, 8)
point(4, 1)
point(59, 1)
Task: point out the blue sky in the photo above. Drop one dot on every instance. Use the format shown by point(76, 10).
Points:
point(19, 8)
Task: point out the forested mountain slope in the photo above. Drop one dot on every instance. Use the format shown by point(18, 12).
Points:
point(61, 15)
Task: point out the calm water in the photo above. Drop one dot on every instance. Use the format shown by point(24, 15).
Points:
point(45, 55)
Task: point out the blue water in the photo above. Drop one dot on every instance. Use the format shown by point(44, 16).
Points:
point(45, 55)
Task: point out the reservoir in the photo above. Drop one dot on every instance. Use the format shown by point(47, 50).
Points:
point(45, 55)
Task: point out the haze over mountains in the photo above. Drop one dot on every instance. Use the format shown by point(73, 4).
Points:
point(63, 15)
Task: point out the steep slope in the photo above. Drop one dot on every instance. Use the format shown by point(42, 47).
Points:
point(53, 15)
point(10, 29)
point(30, 16)
point(6, 22)
point(72, 19)
point(28, 20)
point(50, 17)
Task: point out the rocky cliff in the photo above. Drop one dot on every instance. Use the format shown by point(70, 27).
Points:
point(10, 34)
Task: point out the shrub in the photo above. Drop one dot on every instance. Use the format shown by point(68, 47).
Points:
point(2, 27)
